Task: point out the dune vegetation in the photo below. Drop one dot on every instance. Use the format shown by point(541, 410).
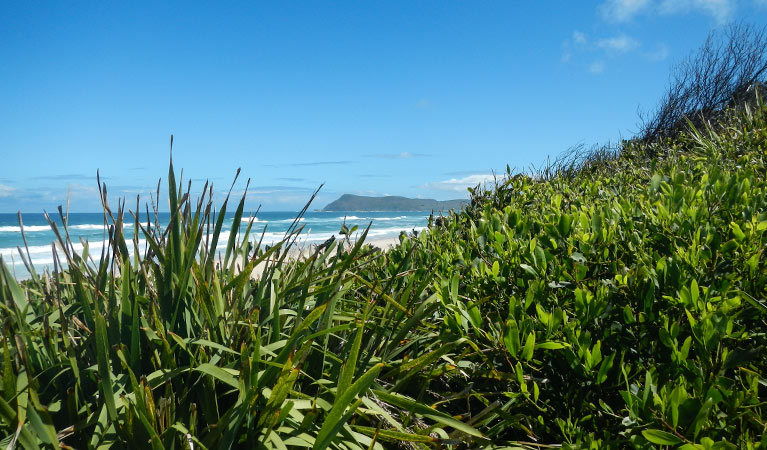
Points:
point(615, 299)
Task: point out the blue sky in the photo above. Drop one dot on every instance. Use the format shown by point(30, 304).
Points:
point(410, 98)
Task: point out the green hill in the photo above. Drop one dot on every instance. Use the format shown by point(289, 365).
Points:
point(350, 202)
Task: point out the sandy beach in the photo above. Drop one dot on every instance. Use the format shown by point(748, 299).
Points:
point(384, 243)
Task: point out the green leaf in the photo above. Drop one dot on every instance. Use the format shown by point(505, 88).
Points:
point(220, 374)
point(739, 235)
point(661, 437)
point(605, 367)
point(454, 288)
point(9, 416)
point(105, 372)
point(394, 436)
point(530, 271)
point(474, 314)
point(552, 345)
point(415, 407)
point(701, 417)
point(511, 337)
point(655, 182)
point(414, 366)
point(527, 351)
point(694, 292)
point(333, 422)
point(350, 365)
point(564, 225)
point(16, 293)
point(42, 425)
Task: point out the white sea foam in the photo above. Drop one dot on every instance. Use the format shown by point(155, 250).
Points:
point(379, 219)
point(28, 228)
point(92, 226)
point(390, 218)
point(39, 228)
point(41, 255)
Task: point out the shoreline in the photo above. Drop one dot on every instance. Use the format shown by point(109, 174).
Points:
point(384, 243)
point(271, 227)
point(301, 249)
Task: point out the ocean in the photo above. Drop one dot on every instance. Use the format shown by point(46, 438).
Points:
point(318, 227)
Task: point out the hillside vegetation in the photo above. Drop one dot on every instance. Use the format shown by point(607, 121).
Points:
point(613, 301)
point(622, 304)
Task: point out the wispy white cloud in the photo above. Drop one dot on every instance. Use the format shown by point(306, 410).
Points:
point(622, 10)
point(720, 10)
point(660, 53)
point(597, 67)
point(77, 191)
point(618, 44)
point(579, 47)
point(618, 11)
point(460, 184)
point(577, 41)
point(580, 38)
point(6, 191)
point(401, 155)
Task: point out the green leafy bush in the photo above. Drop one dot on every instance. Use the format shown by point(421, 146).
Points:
point(617, 307)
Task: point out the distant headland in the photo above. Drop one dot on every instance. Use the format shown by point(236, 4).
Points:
point(349, 202)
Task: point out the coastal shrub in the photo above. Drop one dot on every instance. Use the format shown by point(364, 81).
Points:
point(614, 311)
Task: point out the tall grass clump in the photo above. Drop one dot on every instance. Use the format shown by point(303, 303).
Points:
point(156, 343)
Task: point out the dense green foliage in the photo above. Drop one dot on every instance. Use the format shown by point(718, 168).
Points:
point(621, 303)
point(618, 304)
